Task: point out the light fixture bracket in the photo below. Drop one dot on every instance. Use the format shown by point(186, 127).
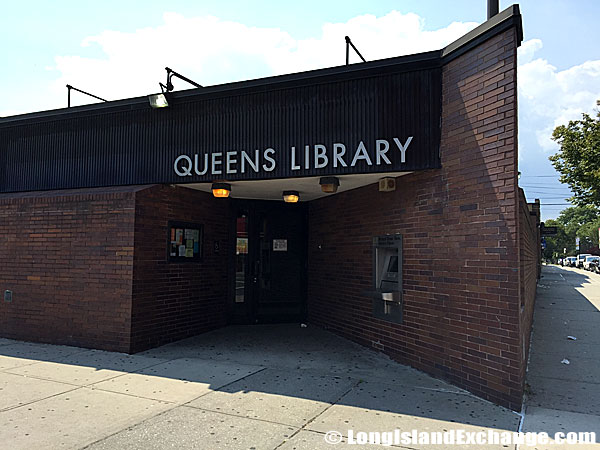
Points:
point(71, 88)
point(168, 87)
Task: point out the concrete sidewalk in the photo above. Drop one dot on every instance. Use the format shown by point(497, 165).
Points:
point(255, 387)
point(565, 397)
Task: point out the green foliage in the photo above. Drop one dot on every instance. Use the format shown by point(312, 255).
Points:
point(588, 235)
point(576, 221)
point(575, 217)
point(578, 160)
point(555, 245)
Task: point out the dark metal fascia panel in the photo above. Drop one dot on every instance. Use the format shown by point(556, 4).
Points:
point(139, 147)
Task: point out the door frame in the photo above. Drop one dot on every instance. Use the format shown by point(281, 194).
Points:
point(249, 313)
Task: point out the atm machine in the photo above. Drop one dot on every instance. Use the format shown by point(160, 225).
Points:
point(387, 278)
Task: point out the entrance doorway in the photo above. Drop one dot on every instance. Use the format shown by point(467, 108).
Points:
point(270, 262)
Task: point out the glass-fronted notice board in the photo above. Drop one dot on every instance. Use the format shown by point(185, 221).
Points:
point(185, 241)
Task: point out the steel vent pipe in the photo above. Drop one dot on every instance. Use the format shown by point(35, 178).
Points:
point(492, 8)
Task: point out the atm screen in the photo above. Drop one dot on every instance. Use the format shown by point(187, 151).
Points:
point(393, 265)
point(389, 279)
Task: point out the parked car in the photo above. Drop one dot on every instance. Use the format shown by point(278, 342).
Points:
point(580, 259)
point(590, 262)
point(570, 261)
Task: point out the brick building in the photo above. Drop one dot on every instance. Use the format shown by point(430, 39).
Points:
point(411, 235)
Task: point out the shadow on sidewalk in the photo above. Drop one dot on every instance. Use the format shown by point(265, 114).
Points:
point(239, 367)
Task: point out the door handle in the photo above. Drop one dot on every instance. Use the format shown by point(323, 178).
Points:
point(256, 271)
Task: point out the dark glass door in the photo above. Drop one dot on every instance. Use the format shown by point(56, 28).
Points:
point(270, 262)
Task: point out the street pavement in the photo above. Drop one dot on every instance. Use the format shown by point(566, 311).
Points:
point(564, 373)
point(254, 387)
point(286, 386)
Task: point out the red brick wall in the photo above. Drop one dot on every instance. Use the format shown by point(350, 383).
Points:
point(460, 231)
point(89, 267)
point(68, 257)
point(529, 251)
point(172, 300)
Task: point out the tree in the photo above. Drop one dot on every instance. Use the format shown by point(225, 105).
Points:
point(578, 160)
point(581, 222)
point(555, 245)
point(588, 235)
point(575, 217)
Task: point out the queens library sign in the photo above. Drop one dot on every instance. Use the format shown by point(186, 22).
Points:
point(317, 156)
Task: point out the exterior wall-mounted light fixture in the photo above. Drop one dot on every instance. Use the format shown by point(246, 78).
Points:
point(221, 190)
point(329, 185)
point(291, 196)
point(158, 101)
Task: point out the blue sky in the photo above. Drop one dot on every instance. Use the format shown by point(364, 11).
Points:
point(118, 49)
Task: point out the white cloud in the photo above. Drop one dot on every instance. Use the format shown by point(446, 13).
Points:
point(549, 97)
point(210, 51)
point(527, 50)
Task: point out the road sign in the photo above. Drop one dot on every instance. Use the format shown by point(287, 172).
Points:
point(549, 231)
